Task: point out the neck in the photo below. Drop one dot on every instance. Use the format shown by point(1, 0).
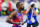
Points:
point(19, 10)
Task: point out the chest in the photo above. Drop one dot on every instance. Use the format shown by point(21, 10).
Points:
point(20, 16)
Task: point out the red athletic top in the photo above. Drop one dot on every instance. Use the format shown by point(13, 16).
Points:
point(15, 20)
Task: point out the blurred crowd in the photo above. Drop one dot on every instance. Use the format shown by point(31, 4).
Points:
point(7, 6)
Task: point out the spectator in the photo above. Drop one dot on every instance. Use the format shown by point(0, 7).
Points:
point(4, 7)
point(9, 7)
point(1, 1)
point(12, 5)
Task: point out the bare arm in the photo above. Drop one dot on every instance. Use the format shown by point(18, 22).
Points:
point(36, 12)
point(28, 10)
point(11, 17)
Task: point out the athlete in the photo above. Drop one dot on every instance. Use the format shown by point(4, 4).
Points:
point(16, 17)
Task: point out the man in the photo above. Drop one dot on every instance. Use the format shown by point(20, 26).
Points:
point(16, 16)
point(32, 16)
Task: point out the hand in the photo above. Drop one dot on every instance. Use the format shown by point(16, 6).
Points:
point(24, 12)
point(33, 8)
point(18, 23)
point(30, 7)
point(23, 23)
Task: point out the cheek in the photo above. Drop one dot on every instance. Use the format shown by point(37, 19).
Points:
point(23, 6)
point(19, 6)
point(34, 6)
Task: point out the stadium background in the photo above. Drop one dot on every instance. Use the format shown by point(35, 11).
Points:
point(9, 9)
point(5, 10)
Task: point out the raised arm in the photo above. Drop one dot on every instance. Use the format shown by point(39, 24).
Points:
point(25, 12)
point(36, 12)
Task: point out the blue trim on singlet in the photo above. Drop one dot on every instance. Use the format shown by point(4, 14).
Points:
point(29, 17)
point(19, 14)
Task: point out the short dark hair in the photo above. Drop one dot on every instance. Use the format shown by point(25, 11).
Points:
point(17, 4)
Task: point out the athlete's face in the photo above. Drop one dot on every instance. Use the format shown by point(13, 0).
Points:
point(21, 6)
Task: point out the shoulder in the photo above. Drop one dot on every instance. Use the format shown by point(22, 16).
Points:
point(37, 10)
point(13, 12)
